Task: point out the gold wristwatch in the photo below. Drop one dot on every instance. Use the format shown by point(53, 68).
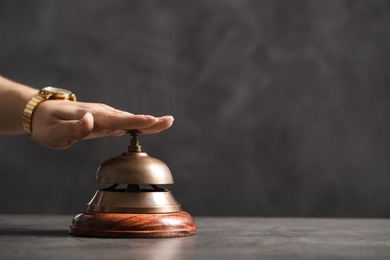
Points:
point(44, 94)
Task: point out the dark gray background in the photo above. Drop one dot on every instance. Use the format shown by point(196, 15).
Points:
point(281, 107)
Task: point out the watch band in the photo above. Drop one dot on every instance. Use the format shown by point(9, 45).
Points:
point(34, 102)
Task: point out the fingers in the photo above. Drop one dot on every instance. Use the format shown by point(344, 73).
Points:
point(106, 118)
point(59, 124)
point(119, 120)
point(110, 121)
point(162, 123)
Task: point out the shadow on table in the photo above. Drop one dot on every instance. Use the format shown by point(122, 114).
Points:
point(34, 232)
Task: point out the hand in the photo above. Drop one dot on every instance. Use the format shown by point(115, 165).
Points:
point(57, 124)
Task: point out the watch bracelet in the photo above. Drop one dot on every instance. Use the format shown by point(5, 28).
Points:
point(29, 112)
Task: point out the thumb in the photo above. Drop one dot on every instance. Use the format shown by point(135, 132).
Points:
point(74, 130)
point(62, 133)
point(77, 130)
point(83, 127)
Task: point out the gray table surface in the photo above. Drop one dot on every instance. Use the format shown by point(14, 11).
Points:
point(46, 237)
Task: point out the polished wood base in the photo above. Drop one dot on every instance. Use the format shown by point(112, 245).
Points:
point(123, 225)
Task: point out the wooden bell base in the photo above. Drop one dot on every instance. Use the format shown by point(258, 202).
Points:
point(124, 225)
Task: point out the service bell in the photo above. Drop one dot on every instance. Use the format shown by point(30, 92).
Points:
point(133, 210)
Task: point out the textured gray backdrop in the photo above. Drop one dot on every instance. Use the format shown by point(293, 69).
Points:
point(281, 107)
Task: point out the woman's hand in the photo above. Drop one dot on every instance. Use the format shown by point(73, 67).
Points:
point(57, 124)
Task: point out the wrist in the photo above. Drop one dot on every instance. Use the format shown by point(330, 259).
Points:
point(43, 95)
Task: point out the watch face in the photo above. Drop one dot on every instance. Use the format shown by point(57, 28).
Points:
point(57, 90)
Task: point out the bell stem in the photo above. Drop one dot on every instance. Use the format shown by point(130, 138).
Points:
point(134, 143)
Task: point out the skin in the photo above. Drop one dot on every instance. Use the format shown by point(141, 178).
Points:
point(58, 124)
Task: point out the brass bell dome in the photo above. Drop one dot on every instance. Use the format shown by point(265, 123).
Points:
point(134, 167)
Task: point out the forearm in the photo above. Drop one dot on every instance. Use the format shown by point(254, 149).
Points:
point(13, 100)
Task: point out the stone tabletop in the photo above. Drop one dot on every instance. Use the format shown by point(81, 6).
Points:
point(46, 237)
